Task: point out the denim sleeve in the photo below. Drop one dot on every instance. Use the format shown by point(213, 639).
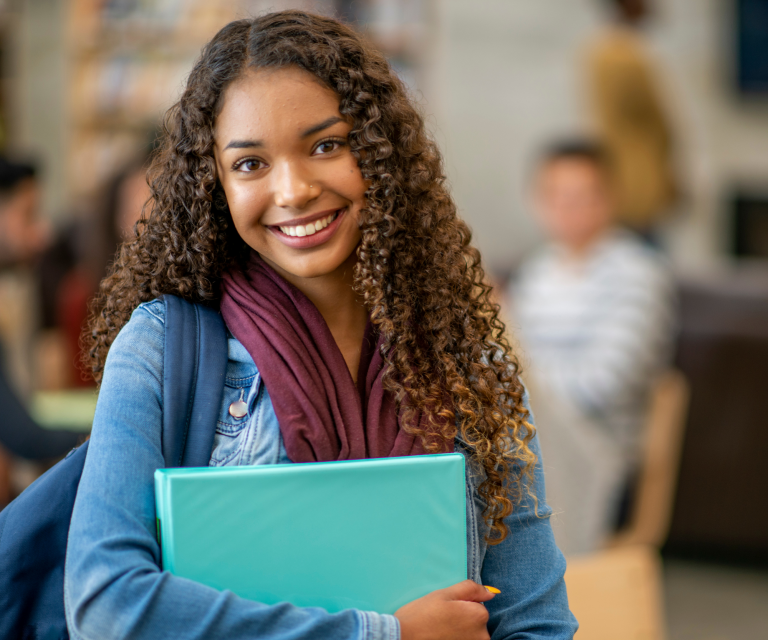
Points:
point(113, 585)
point(528, 568)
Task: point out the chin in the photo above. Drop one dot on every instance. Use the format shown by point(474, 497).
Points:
point(310, 266)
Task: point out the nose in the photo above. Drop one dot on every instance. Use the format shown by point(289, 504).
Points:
point(292, 186)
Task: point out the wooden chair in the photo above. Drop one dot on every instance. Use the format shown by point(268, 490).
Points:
point(651, 512)
point(615, 594)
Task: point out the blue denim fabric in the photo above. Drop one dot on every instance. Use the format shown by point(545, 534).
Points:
point(114, 587)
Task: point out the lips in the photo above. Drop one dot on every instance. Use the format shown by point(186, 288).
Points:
point(310, 228)
point(310, 232)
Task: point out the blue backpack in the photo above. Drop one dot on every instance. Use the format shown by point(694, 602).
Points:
point(34, 527)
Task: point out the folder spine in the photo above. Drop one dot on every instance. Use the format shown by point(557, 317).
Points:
point(164, 520)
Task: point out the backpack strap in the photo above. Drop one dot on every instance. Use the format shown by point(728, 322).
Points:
point(195, 362)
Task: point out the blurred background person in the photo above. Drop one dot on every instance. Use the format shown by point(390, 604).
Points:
point(630, 117)
point(595, 314)
point(72, 268)
point(23, 236)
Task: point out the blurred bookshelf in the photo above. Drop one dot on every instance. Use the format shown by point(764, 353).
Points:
point(397, 27)
point(129, 60)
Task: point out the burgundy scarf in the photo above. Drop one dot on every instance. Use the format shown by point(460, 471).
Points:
point(322, 414)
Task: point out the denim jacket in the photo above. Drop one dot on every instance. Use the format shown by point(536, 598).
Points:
point(114, 587)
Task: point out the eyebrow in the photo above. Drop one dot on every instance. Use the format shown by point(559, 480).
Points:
point(323, 125)
point(244, 144)
point(252, 144)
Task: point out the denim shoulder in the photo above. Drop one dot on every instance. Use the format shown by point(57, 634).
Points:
point(140, 343)
point(154, 308)
point(532, 487)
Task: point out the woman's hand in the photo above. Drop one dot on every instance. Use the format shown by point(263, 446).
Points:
point(455, 613)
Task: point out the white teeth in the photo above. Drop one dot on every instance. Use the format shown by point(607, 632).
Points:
point(309, 229)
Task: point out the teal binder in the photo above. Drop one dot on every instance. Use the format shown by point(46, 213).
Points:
point(365, 534)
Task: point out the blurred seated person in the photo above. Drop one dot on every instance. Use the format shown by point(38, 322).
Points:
point(22, 237)
point(73, 267)
point(595, 314)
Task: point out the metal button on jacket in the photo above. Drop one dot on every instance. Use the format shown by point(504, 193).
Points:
point(239, 409)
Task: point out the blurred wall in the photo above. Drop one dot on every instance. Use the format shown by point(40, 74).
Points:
point(502, 82)
point(724, 135)
point(505, 78)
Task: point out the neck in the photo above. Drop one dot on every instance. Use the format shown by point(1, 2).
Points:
point(342, 309)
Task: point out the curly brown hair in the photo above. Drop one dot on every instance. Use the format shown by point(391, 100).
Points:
point(419, 276)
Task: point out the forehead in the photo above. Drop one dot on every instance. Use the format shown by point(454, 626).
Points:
point(263, 100)
point(572, 170)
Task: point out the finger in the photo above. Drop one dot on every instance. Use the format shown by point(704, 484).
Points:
point(468, 590)
point(475, 613)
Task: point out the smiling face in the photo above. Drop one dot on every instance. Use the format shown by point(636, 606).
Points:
point(293, 187)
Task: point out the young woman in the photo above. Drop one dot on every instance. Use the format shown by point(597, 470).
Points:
point(297, 191)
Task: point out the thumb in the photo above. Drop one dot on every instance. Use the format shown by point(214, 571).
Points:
point(468, 590)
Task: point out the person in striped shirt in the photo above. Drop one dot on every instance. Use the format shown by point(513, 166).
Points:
point(594, 313)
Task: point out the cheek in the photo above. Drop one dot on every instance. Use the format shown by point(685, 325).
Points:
point(246, 204)
point(348, 181)
point(556, 212)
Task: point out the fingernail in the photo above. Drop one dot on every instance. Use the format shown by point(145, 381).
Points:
point(493, 590)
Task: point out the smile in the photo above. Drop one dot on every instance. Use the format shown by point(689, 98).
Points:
point(311, 228)
point(306, 234)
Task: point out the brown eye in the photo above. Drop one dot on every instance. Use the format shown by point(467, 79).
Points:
point(248, 164)
point(327, 146)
